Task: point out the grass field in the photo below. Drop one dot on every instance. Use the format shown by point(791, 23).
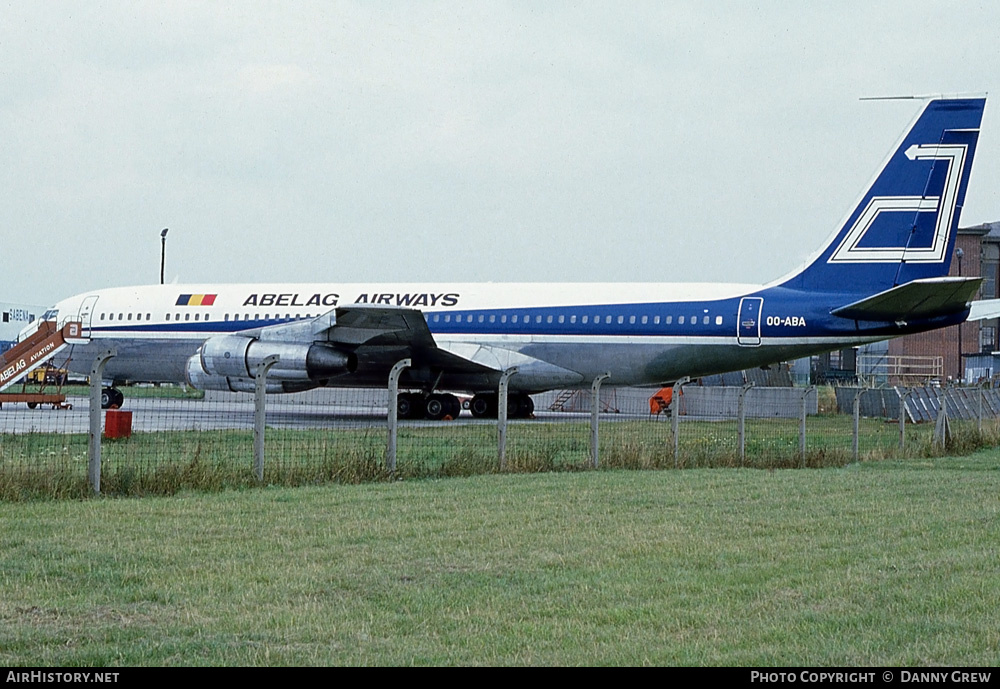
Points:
point(52, 465)
point(879, 563)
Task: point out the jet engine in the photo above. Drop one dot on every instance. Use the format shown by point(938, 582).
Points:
point(228, 362)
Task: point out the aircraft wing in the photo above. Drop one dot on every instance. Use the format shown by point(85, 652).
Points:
point(354, 326)
point(381, 335)
point(923, 298)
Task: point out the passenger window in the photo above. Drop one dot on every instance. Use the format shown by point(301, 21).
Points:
point(669, 320)
point(493, 318)
point(469, 318)
point(607, 319)
point(621, 319)
point(704, 320)
point(168, 317)
point(187, 316)
point(656, 320)
point(549, 319)
point(503, 318)
point(197, 316)
point(562, 319)
point(447, 318)
point(513, 319)
point(572, 319)
point(585, 319)
point(680, 320)
point(718, 320)
point(645, 320)
point(538, 319)
point(481, 318)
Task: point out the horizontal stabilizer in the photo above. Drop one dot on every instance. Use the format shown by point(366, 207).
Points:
point(983, 309)
point(917, 299)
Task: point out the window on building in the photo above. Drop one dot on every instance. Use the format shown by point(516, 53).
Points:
point(989, 273)
point(987, 339)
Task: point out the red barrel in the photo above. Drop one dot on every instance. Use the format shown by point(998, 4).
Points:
point(117, 423)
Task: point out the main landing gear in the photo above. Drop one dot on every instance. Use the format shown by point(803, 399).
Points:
point(414, 405)
point(437, 406)
point(111, 398)
point(485, 406)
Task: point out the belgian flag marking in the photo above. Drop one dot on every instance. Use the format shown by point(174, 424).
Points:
point(196, 300)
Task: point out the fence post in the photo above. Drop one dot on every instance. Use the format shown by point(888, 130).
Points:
point(855, 448)
point(741, 422)
point(394, 374)
point(675, 418)
point(502, 416)
point(595, 410)
point(802, 425)
point(902, 417)
point(259, 410)
point(94, 450)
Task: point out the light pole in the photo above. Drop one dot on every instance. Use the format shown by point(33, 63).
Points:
point(959, 254)
point(163, 251)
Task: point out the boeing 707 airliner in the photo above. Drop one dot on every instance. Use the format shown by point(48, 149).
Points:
point(883, 273)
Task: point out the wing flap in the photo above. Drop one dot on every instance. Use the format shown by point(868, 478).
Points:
point(924, 298)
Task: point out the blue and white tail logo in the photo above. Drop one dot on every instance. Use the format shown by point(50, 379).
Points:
point(853, 250)
point(903, 228)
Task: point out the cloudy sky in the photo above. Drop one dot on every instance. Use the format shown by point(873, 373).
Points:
point(524, 141)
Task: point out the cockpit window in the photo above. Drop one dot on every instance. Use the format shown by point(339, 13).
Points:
point(50, 315)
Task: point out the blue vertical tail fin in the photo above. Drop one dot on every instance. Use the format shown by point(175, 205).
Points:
point(903, 227)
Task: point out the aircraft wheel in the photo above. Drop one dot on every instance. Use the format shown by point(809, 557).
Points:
point(483, 406)
point(526, 406)
point(407, 406)
point(107, 396)
point(32, 405)
point(435, 407)
point(453, 406)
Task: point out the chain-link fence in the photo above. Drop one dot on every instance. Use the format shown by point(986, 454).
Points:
point(169, 438)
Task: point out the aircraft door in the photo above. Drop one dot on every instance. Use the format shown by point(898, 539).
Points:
point(87, 313)
point(748, 322)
